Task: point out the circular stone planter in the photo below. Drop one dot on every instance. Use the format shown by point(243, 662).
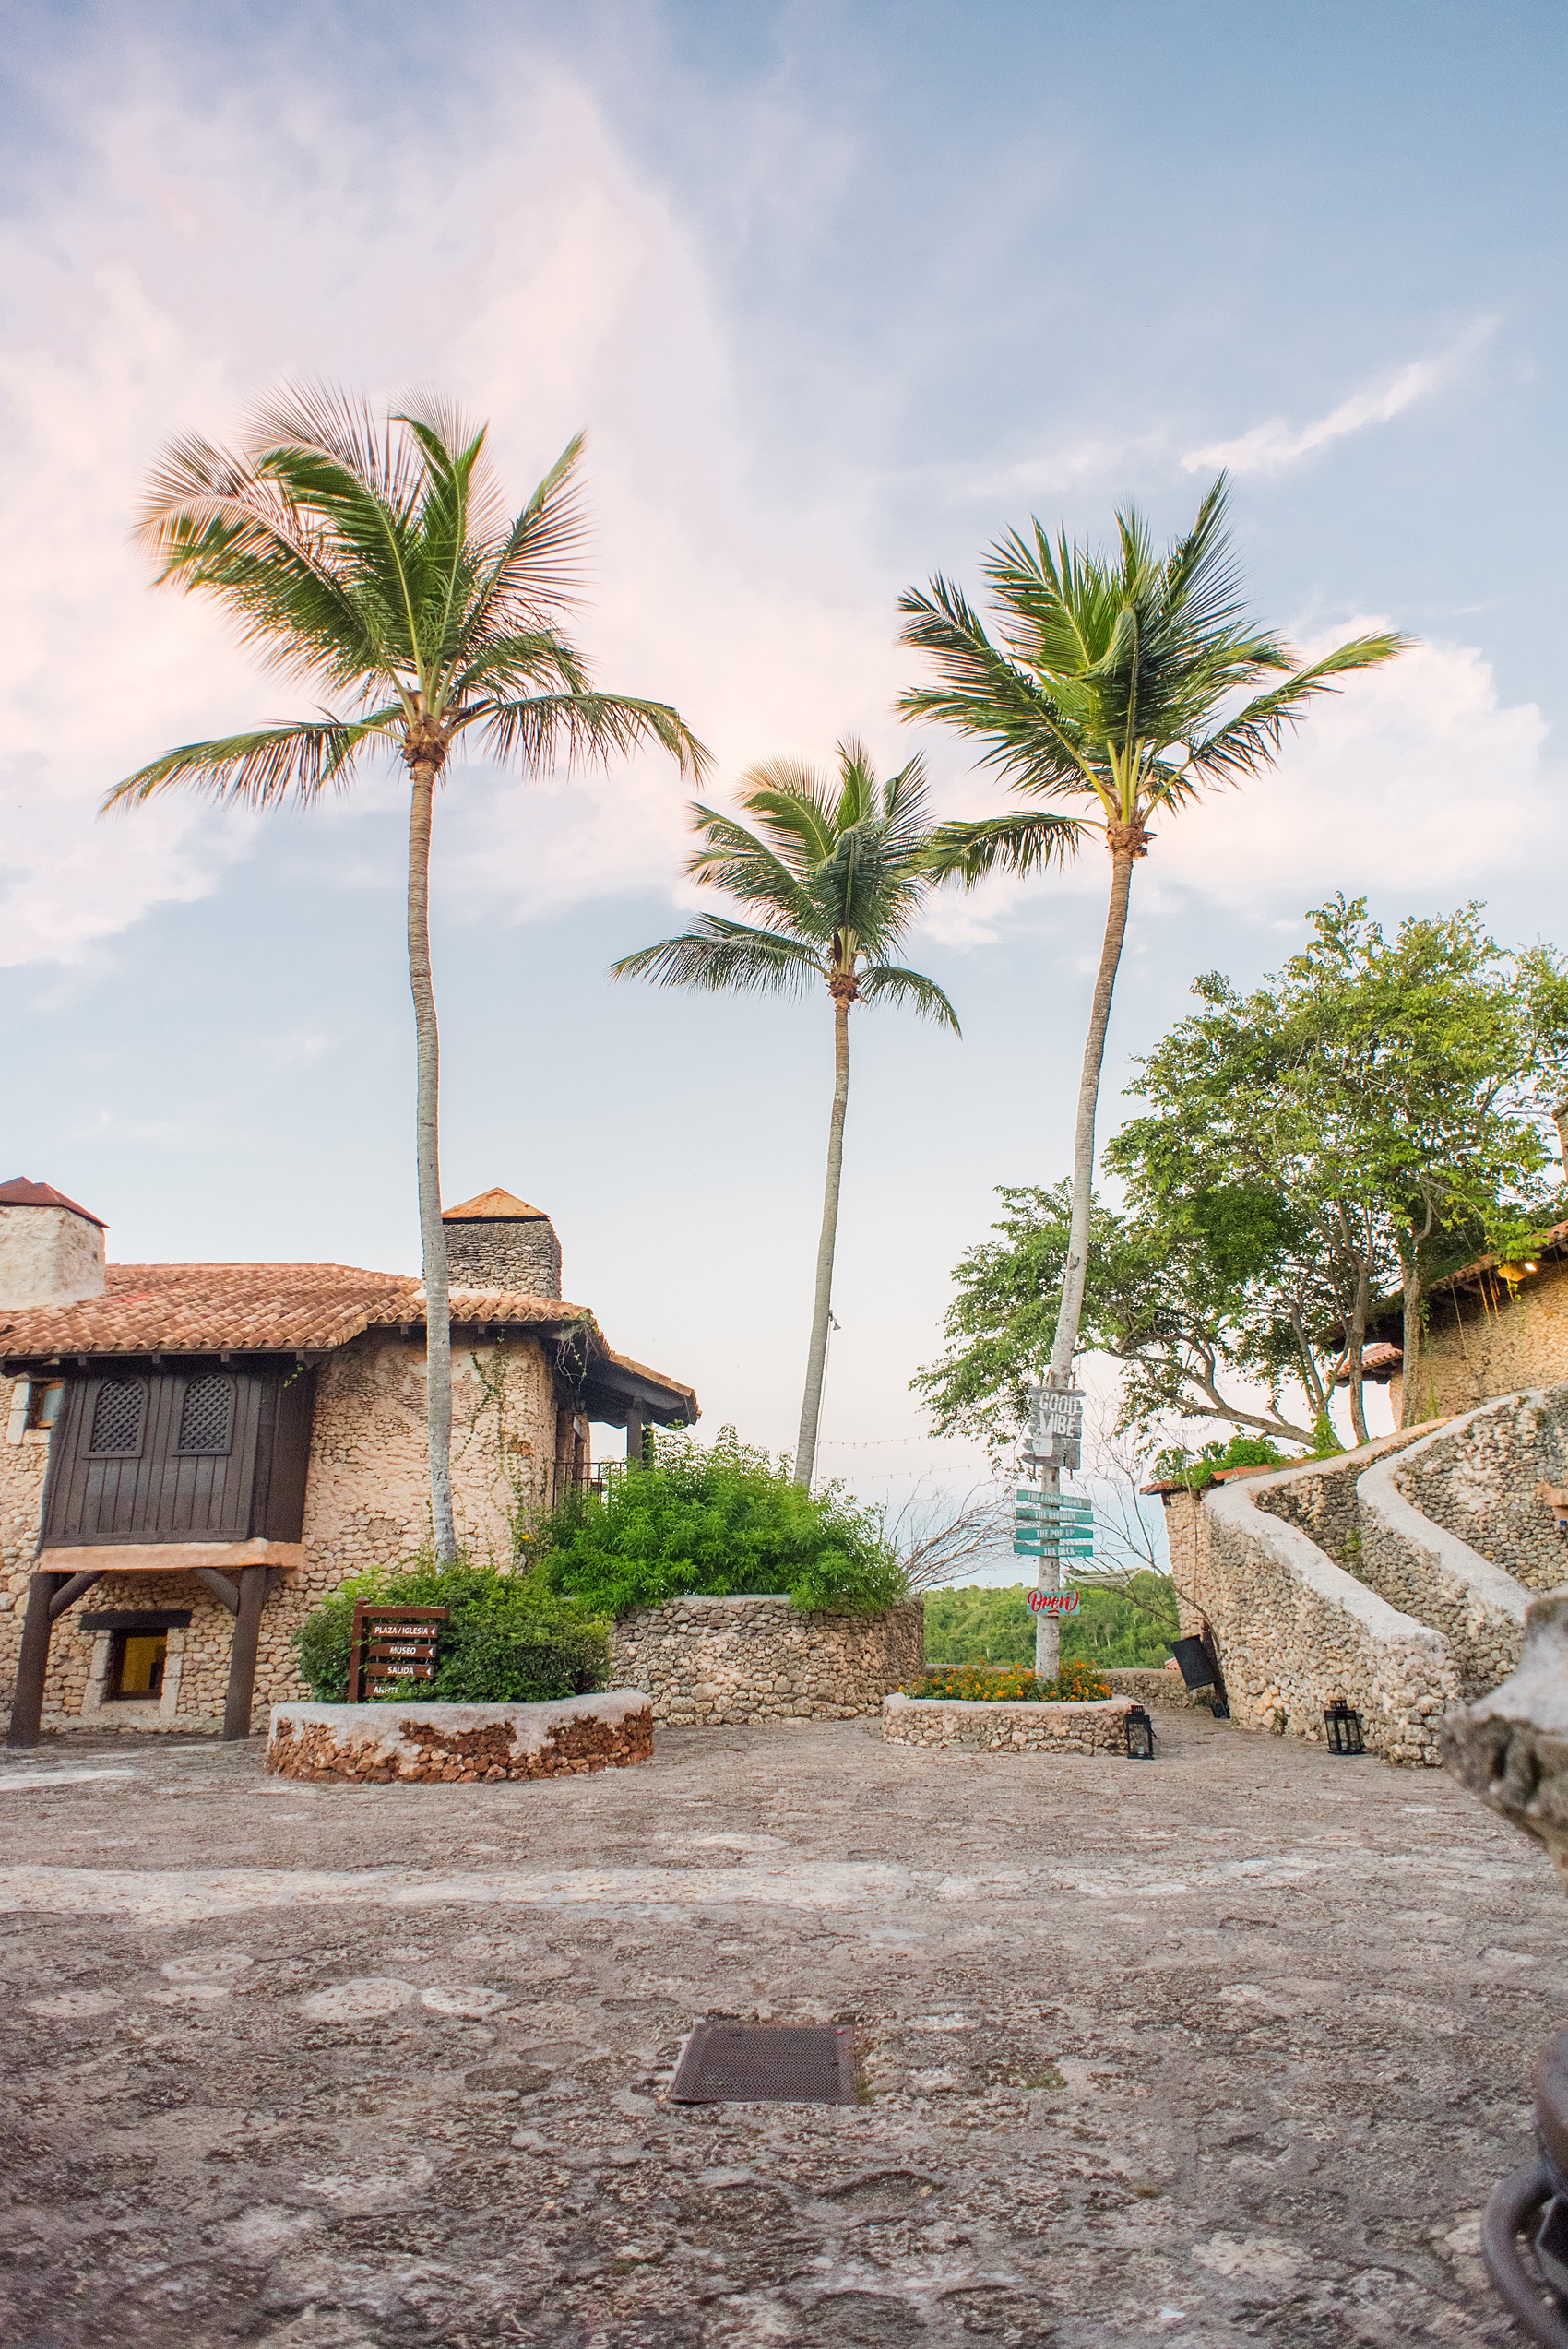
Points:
point(994, 1726)
point(708, 1662)
point(453, 1744)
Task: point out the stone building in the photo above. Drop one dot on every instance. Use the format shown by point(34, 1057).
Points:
point(209, 1448)
point(1492, 1328)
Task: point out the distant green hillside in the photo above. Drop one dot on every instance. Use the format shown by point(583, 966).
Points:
point(993, 1625)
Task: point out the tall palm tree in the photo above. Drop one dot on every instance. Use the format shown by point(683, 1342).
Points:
point(1113, 686)
point(838, 869)
point(372, 557)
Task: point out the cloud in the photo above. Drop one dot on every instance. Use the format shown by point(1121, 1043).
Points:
point(556, 286)
point(1417, 777)
point(1269, 447)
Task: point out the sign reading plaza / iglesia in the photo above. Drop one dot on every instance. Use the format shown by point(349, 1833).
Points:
point(391, 1646)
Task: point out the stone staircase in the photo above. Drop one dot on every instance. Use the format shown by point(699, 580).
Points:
point(1395, 1576)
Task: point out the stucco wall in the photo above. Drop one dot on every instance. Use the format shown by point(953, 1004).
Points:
point(1517, 1343)
point(708, 1661)
point(49, 1256)
point(366, 1505)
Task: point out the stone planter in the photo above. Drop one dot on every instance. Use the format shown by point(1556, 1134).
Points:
point(713, 1662)
point(458, 1744)
point(989, 1726)
point(1512, 1747)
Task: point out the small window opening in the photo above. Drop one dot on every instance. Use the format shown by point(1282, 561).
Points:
point(135, 1668)
point(44, 1402)
point(117, 1417)
point(207, 1416)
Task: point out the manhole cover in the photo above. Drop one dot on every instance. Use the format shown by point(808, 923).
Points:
point(740, 2063)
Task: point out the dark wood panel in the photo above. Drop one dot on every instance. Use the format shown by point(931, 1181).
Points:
point(161, 1494)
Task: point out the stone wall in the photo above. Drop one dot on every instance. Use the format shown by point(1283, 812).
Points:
point(513, 1252)
point(1321, 1498)
point(985, 1727)
point(1512, 1747)
point(709, 1661)
point(367, 1504)
point(1148, 1687)
point(1509, 1346)
point(1413, 1563)
point(1478, 1478)
point(461, 1744)
point(1294, 1631)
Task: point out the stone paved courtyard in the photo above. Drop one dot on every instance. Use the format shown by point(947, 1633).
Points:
point(1230, 2048)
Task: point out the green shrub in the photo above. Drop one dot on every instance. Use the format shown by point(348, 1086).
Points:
point(724, 1519)
point(1075, 1683)
point(507, 1640)
point(1197, 1470)
point(993, 1624)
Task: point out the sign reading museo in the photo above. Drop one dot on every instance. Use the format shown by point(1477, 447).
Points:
point(390, 1646)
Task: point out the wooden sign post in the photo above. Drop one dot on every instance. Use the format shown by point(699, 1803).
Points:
point(391, 1646)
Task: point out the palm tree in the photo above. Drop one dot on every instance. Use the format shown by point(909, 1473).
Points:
point(372, 557)
point(838, 868)
point(1113, 686)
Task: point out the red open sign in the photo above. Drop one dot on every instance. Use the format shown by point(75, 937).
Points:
point(1054, 1602)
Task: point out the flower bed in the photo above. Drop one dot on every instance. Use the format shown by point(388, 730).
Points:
point(429, 1744)
point(1075, 1683)
point(1018, 1725)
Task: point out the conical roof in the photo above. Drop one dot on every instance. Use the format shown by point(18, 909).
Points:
point(493, 1207)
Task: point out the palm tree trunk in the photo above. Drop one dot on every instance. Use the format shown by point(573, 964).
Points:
point(811, 1404)
point(1066, 1339)
point(427, 1123)
point(1411, 1285)
point(1357, 1351)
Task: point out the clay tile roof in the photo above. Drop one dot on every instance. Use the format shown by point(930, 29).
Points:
point(20, 1192)
point(659, 1378)
point(212, 1309)
point(499, 1305)
point(494, 1206)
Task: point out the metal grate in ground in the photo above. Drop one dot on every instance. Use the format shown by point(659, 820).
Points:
point(744, 2063)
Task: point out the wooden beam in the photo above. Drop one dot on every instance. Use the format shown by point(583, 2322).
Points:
point(32, 1665)
point(220, 1585)
point(73, 1589)
point(255, 1583)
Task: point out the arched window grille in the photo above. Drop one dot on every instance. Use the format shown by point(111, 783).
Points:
point(117, 1417)
point(207, 1416)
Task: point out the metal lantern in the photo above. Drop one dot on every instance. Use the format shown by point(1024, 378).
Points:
point(1344, 1727)
point(1140, 1736)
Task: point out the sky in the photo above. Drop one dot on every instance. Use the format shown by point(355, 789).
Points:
point(839, 295)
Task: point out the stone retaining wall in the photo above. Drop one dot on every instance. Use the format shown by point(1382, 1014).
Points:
point(708, 1662)
point(1294, 1630)
point(1147, 1687)
point(1420, 1567)
point(988, 1727)
point(1478, 1480)
point(1321, 1497)
point(1512, 1747)
point(375, 1744)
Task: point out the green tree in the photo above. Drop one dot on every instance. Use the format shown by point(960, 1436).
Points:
point(1543, 973)
point(1111, 686)
point(1194, 1307)
point(1379, 1087)
point(838, 869)
point(371, 557)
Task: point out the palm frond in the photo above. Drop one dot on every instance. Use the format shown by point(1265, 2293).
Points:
point(886, 983)
point(736, 860)
point(539, 729)
point(533, 570)
point(1252, 739)
point(726, 957)
point(259, 769)
point(1024, 842)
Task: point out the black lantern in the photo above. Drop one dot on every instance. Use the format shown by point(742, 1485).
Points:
point(1344, 1727)
point(1140, 1736)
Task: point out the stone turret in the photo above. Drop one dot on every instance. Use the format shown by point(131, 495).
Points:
point(499, 1242)
point(50, 1250)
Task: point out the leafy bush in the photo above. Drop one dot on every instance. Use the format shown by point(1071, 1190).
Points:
point(993, 1624)
point(1197, 1470)
point(723, 1520)
point(506, 1639)
point(1075, 1683)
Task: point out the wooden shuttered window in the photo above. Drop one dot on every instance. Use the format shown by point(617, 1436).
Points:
point(207, 1454)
